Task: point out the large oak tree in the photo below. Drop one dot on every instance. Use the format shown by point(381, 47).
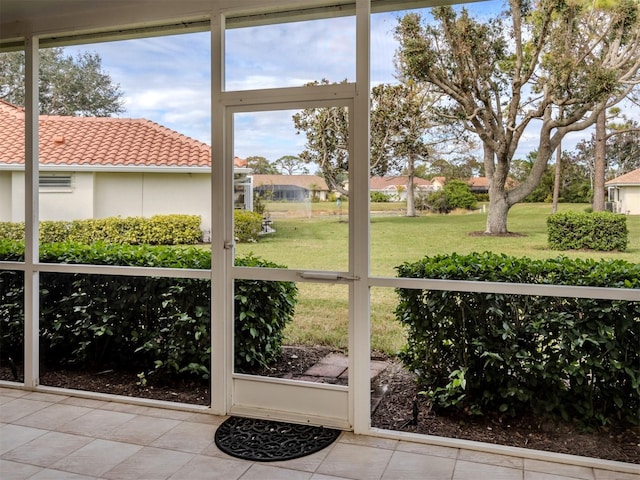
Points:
point(517, 70)
point(68, 86)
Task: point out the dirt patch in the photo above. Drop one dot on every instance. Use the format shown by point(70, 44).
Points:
point(401, 408)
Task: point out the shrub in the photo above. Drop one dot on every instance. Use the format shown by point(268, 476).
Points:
point(603, 231)
point(152, 324)
point(156, 230)
point(436, 202)
point(517, 354)
point(459, 195)
point(246, 225)
point(380, 197)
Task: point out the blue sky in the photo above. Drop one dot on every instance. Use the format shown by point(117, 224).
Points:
point(167, 79)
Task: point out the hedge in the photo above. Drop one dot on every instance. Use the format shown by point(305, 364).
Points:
point(577, 358)
point(603, 231)
point(172, 229)
point(150, 324)
point(155, 230)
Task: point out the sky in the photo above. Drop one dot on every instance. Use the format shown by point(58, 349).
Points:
point(167, 79)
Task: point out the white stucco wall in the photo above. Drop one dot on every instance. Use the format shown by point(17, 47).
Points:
point(147, 194)
point(630, 200)
point(54, 204)
point(103, 194)
point(68, 204)
point(5, 197)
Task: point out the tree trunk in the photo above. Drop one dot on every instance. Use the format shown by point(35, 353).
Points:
point(600, 166)
point(411, 204)
point(498, 205)
point(556, 180)
point(498, 211)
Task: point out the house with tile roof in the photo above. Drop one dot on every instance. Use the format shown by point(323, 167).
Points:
point(290, 187)
point(624, 193)
point(96, 167)
point(396, 186)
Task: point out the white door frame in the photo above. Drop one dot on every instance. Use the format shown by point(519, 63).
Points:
point(233, 393)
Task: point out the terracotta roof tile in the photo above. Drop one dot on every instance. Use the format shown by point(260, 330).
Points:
point(630, 178)
point(88, 141)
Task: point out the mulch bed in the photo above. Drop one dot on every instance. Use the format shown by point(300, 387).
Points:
point(401, 408)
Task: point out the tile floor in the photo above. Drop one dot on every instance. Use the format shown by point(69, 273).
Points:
point(49, 437)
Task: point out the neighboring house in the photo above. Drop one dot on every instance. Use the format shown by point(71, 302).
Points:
point(624, 193)
point(290, 187)
point(96, 167)
point(481, 184)
point(396, 186)
point(438, 183)
point(476, 184)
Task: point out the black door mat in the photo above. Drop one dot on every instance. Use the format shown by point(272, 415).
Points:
point(270, 441)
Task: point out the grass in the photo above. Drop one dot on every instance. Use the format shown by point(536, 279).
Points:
point(314, 236)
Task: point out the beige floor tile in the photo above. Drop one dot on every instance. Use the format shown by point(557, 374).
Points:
point(152, 463)
point(425, 449)
point(206, 418)
point(46, 397)
point(167, 413)
point(16, 471)
point(141, 430)
point(96, 423)
point(212, 450)
point(20, 407)
point(320, 476)
point(355, 461)
point(560, 469)
point(545, 476)
point(49, 474)
point(96, 458)
point(13, 392)
point(210, 468)
point(187, 437)
point(368, 441)
point(53, 416)
point(482, 471)
point(85, 402)
point(47, 449)
point(6, 398)
point(12, 436)
point(491, 459)
point(260, 471)
point(125, 408)
point(308, 463)
point(412, 466)
point(611, 475)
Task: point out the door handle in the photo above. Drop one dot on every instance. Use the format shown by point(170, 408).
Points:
point(326, 276)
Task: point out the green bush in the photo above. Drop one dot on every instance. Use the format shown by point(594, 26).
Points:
point(379, 197)
point(150, 324)
point(459, 195)
point(246, 225)
point(604, 231)
point(435, 202)
point(519, 354)
point(156, 230)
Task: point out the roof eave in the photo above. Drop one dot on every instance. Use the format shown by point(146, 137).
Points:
point(116, 168)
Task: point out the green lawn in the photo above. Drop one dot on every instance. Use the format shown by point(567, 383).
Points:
point(314, 236)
